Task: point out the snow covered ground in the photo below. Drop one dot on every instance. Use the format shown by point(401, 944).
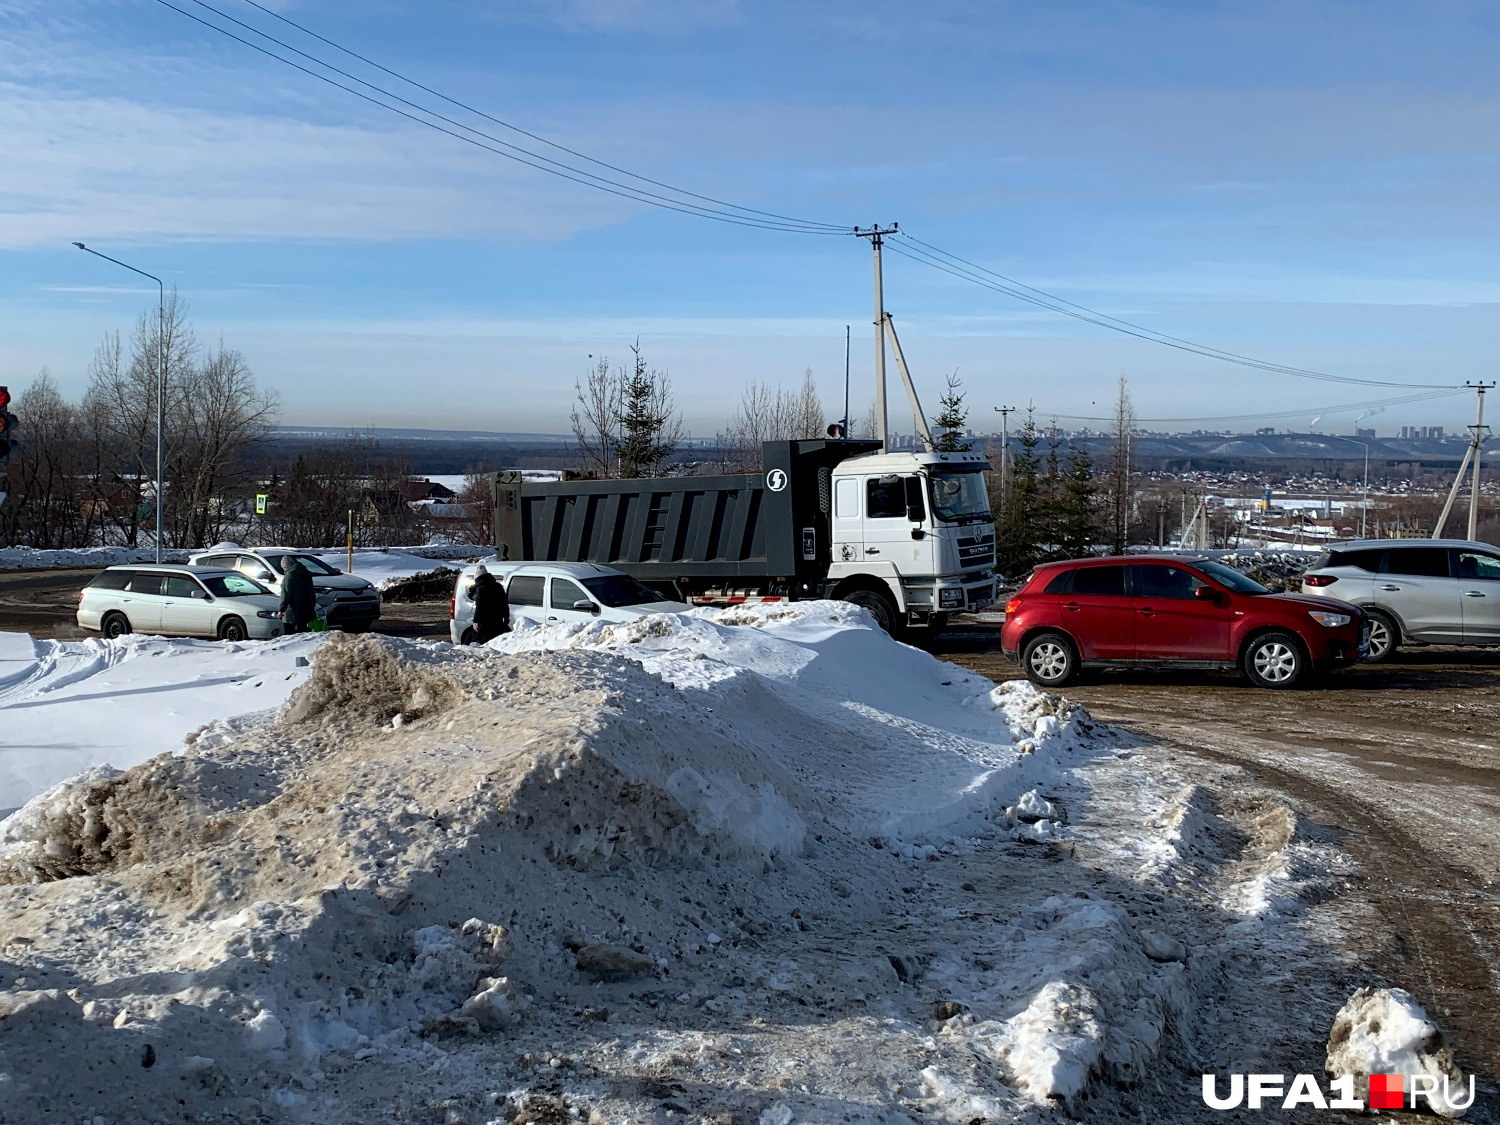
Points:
point(749, 865)
point(69, 705)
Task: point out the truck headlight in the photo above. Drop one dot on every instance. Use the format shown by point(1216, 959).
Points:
point(1332, 620)
point(951, 599)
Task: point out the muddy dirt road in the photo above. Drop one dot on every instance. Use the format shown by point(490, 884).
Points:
point(1402, 758)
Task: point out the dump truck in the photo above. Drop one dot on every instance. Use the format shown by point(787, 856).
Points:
point(906, 535)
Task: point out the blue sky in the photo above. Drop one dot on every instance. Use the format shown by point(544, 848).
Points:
point(1313, 183)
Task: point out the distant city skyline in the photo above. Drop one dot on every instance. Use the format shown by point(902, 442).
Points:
point(1311, 184)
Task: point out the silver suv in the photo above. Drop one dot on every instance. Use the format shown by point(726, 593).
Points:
point(345, 601)
point(1415, 591)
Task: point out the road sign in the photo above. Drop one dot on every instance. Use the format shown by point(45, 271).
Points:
point(260, 503)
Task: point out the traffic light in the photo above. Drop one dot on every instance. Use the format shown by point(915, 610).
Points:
point(7, 438)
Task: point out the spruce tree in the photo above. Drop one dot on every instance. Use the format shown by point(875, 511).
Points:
point(952, 419)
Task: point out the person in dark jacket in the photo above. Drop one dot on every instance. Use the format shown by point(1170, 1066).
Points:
point(491, 607)
point(299, 601)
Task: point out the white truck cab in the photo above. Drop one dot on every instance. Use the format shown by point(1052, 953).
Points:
point(920, 523)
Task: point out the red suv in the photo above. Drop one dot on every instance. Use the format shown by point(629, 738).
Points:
point(1146, 610)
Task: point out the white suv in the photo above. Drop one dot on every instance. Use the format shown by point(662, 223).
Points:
point(1415, 591)
point(345, 601)
point(551, 592)
point(179, 601)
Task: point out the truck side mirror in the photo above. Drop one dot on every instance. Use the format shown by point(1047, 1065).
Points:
point(916, 510)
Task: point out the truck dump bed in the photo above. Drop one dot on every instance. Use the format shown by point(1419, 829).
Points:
point(755, 526)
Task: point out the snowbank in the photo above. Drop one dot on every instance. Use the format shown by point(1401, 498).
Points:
point(378, 563)
point(30, 558)
point(765, 863)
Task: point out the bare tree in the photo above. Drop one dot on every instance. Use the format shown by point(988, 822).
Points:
point(47, 502)
point(772, 414)
point(1120, 481)
point(222, 417)
point(121, 404)
point(596, 420)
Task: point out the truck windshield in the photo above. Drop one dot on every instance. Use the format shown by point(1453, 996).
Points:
point(959, 497)
point(620, 589)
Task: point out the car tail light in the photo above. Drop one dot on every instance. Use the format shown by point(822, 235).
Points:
point(1319, 579)
point(80, 595)
point(452, 606)
point(1012, 605)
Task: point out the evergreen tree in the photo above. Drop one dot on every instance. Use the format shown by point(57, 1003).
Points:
point(952, 419)
point(1076, 506)
point(1018, 534)
point(649, 433)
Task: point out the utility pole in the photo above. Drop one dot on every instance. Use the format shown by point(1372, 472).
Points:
point(1472, 452)
point(846, 381)
point(1479, 389)
point(1005, 412)
point(876, 234)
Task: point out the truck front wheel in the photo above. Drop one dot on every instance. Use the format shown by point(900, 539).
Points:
point(877, 605)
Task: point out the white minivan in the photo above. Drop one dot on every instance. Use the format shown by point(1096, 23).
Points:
point(551, 592)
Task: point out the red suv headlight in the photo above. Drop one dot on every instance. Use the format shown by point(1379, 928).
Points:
point(1319, 579)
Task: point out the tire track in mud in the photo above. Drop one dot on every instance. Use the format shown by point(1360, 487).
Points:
point(1447, 962)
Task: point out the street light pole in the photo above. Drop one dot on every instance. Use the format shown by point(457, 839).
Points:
point(1364, 508)
point(1005, 412)
point(161, 380)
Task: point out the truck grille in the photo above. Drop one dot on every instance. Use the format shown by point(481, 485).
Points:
point(978, 551)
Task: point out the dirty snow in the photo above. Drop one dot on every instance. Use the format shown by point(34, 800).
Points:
point(1385, 1031)
point(741, 865)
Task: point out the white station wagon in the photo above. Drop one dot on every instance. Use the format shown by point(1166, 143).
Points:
point(179, 601)
point(551, 592)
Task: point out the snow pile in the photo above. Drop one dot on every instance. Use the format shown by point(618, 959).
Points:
point(1385, 1031)
point(761, 863)
point(835, 684)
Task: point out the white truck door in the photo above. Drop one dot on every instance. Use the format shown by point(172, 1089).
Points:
point(848, 525)
point(887, 530)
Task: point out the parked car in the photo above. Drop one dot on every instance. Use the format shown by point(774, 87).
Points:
point(1147, 610)
point(549, 592)
point(1414, 591)
point(345, 601)
point(179, 601)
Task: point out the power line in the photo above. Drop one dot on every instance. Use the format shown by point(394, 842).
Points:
point(679, 199)
point(830, 227)
point(958, 267)
point(505, 149)
point(1276, 414)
